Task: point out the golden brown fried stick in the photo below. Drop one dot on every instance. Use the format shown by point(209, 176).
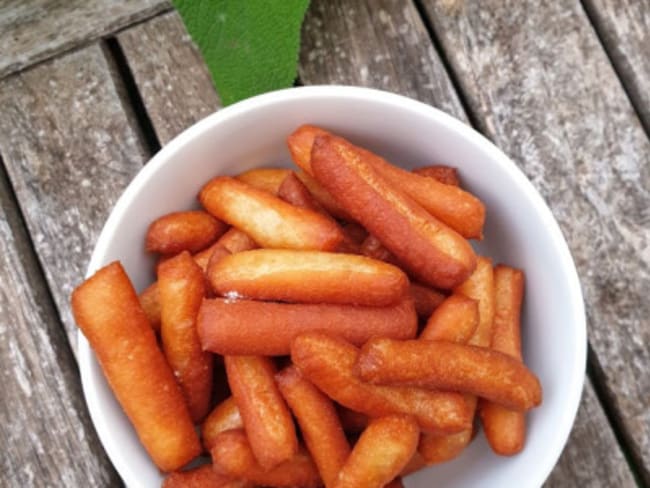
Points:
point(183, 231)
point(308, 277)
point(505, 429)
point(266, 417)
point(233, 326)
point(455, 320)
point(447, 366)
point(271, 222)
point(328, 362)
point(430, 250)
point(382, 451)
point(319, 423)
point(108, 312)
point(232, 456)
point(457, 208)
point(181, 286)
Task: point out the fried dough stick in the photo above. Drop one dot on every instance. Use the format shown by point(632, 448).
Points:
point(266, 418)
point(328, 362)
point(447, 366)
point(457, 208)
point(319, 423)
point(309, 277)
point(271, 222)
point(108, 312)
point(235, 326)
point(505, 429)
point(430, 250)
point(382, 451)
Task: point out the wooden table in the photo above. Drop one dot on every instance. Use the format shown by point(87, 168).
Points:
point(91, 89)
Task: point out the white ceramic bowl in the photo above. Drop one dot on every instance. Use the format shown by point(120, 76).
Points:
point(520, 231)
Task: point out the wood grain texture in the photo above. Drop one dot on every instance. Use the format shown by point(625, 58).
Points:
point(540, 85)
point(624, 29)
point(174, 83)
point(591, 457)
point(380, 44)
point(34, 30)
point(46, 437)
point(70, 148)
point(328, 34)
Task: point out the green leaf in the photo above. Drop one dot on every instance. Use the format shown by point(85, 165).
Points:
point(250, 46)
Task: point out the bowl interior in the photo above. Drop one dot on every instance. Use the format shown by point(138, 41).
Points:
point(519, 231)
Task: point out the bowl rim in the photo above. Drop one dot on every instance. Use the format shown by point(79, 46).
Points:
point(98, 258)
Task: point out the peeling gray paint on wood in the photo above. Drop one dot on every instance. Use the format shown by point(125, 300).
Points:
point(325, 34)
point(47, 437)
point(624, 28)
point(70, 148)
point(173, 81)
point(34, 30)
point(380, 44)
point(541, 86)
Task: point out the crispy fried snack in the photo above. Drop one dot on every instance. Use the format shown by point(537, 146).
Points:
point(236, 241)
point(320, 425)
point(455, 320)
point(108, 312)
point(202, 477)
point(150, 303)
point(480, 287)
point(232, 456)
point(308, 277)
point(267, 420)
point(181, 286)
point(328, 362)
point(232, 326)
point(183, 231)
point(382, 451)
point(426, 299)
point(267, 179)
point(447, 366)
point(457, 208)
point(441, 173)
point(224, 416)
point(506, 429)
point(430, 250)
point(271, 222)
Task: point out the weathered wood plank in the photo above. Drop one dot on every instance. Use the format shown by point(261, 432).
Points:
point(592, 456)
point(381, 44)
point(34, 30)
point(46, 437)
point(173, 81)
point(540, 85)
point(70, 148)
point(325, 34)
point(624, 28)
